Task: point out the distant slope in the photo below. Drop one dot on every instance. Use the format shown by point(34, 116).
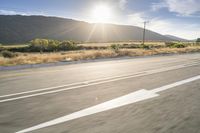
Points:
point(176, 38)
point(20, 29)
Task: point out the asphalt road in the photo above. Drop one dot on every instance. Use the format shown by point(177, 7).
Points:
point(159, 94)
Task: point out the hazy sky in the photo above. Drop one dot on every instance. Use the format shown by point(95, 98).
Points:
point(175, 17)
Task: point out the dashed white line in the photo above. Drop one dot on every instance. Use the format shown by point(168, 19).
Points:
point(81, 84)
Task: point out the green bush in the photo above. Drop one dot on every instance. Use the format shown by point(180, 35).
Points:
point(169, 44)
point(67, 45)
point(1, 47)
point(175, 45)
point(8, 54)
point(198, 41)
point(179, 45)
point(115, 47)
point(43, 45)
point(145, 46)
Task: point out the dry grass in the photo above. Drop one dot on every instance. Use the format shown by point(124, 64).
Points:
point(14, 46)
point(143, 52)
point(106, 44)
point(35, 58)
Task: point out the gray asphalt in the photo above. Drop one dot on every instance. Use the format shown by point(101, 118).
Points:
point(176, 110)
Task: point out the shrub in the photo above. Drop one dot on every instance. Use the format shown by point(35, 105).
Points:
point(130, 46)
point(175, 45)
point(8, 54)
point(18, 49)
point(67, 45)
point(115, 47)
point(179, 45)
point(43, 45)
point(198, 41)
point(1, 47)
point(144, 46)
point(169, 44)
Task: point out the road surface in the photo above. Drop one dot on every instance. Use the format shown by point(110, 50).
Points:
point(159, 94)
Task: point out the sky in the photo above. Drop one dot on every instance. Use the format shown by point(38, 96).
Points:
point(175, 17)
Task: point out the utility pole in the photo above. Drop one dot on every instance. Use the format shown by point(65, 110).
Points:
point(144, 31)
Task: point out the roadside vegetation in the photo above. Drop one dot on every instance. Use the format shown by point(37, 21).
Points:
point(46, 51)
point(198, 41)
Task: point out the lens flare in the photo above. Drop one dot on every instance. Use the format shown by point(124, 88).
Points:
point(101, 13)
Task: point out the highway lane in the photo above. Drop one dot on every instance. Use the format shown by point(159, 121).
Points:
point(17, 81)
point(174, 110)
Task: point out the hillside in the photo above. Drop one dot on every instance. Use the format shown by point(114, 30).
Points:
point(176, 38)
point(20, 29)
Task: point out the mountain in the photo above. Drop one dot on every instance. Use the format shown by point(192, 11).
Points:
point(176, 38)
point(20, 29)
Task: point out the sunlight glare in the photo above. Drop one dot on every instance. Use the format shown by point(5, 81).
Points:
point(101, 13)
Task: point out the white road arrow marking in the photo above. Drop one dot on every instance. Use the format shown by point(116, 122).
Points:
point(115, 103)
point(118, 102)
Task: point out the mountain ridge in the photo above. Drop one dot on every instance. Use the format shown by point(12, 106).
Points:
point(21, 29)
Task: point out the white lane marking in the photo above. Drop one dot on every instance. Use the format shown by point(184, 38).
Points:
point(64, 89)
point(78, 83)
point(91, 84)
point(38, 90)
point(115, 103)
point(67, 85)
point(176, 84)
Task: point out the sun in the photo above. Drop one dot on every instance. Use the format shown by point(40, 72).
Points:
point(101, 13)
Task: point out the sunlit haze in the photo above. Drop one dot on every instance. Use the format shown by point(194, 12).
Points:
point(175, 17)
point(101, 13)
point(100, 66)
